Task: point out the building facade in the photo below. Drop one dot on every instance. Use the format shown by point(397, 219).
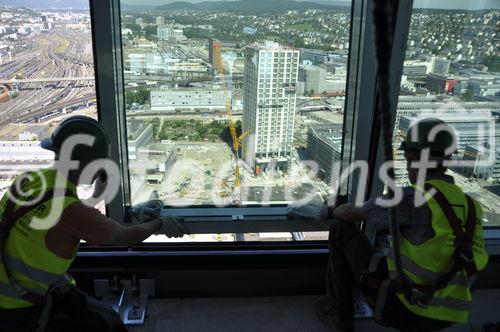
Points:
point(271, 72)
point(476, 141)
point(324, 144)
point(440, 66)
point(140, 134)
point(416, 68)
point(160, 20)
point(189, 99)
point(440, 84)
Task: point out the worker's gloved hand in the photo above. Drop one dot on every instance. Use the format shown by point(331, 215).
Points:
point(314, 209)
point(147, 211)
point(100, 185)
point(172, 226)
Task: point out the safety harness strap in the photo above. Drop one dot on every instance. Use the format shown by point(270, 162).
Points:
point(464, 258)
point(9, 218)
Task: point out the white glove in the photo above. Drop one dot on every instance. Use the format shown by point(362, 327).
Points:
point(100, 185)
point(172, 226)
point(146, 211)
point(315, 209)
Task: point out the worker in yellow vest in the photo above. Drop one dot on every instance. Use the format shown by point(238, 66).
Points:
point(42, 224)
point(441, 246)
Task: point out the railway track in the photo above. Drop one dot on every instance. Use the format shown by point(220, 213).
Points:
point(42, 60)
point(31, 115)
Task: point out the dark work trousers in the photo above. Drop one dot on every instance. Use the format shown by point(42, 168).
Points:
point(19, 320)
point(74, 311)
point(350, 256)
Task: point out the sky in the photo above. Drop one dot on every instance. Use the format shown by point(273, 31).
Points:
point(444, 4)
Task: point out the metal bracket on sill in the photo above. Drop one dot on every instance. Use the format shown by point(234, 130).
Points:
point(127, 297)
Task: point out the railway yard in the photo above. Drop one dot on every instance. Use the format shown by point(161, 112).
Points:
point(59, 54)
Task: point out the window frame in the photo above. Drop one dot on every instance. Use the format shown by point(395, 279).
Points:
point(401, 32)
point(106, 29)
point(360, 122)
point(107, 48)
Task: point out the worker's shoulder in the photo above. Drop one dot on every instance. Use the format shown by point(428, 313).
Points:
point(79, 211)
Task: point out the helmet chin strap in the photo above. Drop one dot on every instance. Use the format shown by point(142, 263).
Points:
point(383, 34)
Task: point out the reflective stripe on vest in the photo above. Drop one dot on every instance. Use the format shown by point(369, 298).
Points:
point(15, 265)
point(460, 279)
point(424, 263)
point(32, 266)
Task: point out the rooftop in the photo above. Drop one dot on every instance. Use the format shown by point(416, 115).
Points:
point(331, 134)
point(270, 46)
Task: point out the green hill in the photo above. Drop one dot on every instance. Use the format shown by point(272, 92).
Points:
point(253, 7)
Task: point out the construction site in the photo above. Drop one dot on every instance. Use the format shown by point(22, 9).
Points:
point(189, 170)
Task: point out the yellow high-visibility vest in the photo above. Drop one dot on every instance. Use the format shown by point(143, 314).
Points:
point(424, 263)
point(30, 263)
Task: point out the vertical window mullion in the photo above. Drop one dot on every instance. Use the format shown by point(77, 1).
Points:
point(109, 89)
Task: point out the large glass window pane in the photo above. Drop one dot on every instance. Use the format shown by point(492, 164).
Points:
point(46, 75)
point(452, 72)
point(239, 105)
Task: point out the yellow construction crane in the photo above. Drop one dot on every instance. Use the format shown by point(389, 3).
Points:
point(236, 140)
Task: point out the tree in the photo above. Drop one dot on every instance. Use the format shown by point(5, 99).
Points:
point(139, 96)
point(150, 32)
point(492, 62)
point(142, 96)
point(135, 28)
point(467, 95)
point(202, 130)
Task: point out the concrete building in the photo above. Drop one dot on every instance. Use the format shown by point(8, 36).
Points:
point(324, 146)
point(416, 68)
point(17, 151)
point(150, 170)
point(34, 133)
point(440, 66)
point(141, 61)
point(21, 156)
point(160, 20)
point(484, 88)
point(154, 162)
point(496, 169)
point(482, 166)
point(140, 22)
point(249, 30)
point(313, 78)
point(170, 33)
point(428, 106)
point(440, 83)
point(139, 134)
point(188, 100)
point(471, 128)
point(146, 61)
point(461, 86)
point(476, 139)
point(271, 72)
point(163, 32)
